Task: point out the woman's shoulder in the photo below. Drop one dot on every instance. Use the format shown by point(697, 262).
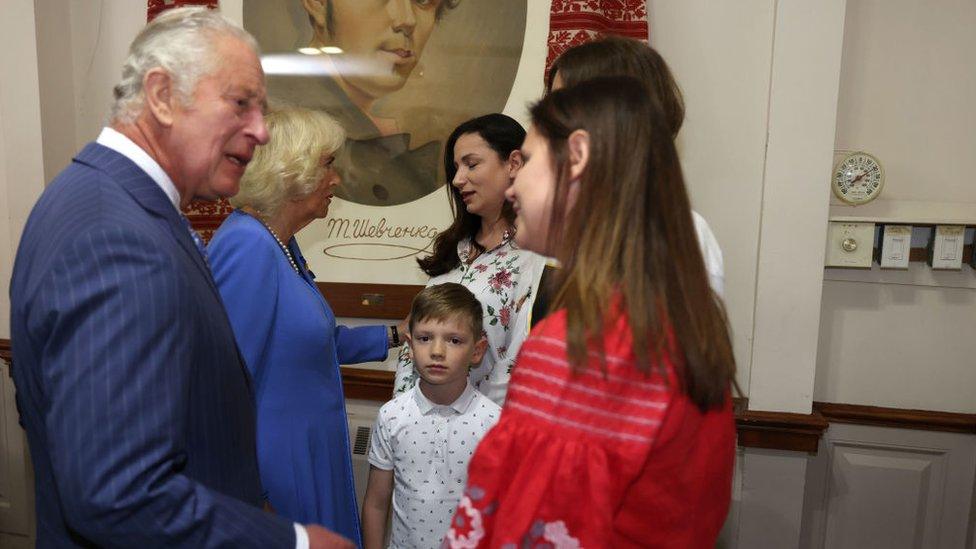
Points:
point(240, 228)
point(241, 238)
point(608, 397)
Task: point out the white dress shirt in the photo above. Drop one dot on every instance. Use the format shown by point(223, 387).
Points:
point(711, 253)
point(121, 144)
point(428, 447)
point(126, 147)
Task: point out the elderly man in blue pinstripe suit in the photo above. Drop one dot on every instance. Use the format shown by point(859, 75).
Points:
point(137, 405)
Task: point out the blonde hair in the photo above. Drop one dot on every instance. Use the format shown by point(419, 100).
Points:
point(290, 166)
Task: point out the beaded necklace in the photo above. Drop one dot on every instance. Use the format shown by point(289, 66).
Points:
point(291, 259)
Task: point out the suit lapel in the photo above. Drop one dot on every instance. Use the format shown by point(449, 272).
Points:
point(151, 197)
point(148, 195)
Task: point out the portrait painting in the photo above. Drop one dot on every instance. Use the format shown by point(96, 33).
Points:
point(399, 75)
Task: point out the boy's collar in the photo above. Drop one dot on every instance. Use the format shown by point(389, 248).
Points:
point(460, 404)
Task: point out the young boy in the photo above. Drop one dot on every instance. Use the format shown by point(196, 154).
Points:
point(424, 438)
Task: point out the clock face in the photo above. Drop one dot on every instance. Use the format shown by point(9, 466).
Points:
point(858, 178)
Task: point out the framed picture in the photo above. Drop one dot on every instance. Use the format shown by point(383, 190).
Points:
point(399, 75)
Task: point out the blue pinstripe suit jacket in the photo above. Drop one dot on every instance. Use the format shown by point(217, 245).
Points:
point(138, 409)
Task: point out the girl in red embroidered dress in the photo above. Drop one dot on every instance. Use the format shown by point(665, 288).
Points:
point(618, 427)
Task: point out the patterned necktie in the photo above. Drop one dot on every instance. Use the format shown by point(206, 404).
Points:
point(197, 241)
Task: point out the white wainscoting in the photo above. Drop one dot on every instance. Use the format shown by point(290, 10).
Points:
point(867, 487)
point(890, 488)
point(16, 479)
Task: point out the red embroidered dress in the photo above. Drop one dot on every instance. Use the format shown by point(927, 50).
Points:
point(594, 460)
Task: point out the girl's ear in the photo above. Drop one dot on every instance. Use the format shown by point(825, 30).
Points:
point(579, 153)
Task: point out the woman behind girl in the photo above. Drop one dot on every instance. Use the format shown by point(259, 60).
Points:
point(618, 428)
point(478, 250)
point(620, 56)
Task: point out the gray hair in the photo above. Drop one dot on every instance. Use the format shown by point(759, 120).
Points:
point(290, 166)
point(181, 42)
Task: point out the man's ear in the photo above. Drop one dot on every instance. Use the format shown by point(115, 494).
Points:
point(515, 162)
point(316, 11)
point(479, 350)
point(579, 153)
point(160, 95)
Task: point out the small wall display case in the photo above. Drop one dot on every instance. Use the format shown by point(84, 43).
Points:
point(896, 246)
point(946, 246)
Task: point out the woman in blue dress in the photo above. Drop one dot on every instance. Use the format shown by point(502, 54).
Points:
point(286, 330)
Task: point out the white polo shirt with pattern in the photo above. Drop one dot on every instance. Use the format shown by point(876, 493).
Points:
point(428, 447)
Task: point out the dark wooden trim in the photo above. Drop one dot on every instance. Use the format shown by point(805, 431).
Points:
point(780, 430)
point(770, 430)
point(924, 420)
point(6, 353)
point(922, 254)
point(389, 301)
point(367, 384)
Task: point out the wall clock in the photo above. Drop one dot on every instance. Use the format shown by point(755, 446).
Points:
point(858, 178)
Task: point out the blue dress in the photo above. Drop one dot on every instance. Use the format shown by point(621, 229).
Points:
point(292, 346)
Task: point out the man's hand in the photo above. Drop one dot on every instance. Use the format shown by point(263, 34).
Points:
point(320, 538)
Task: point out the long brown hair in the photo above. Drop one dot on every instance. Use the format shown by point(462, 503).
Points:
point(620, 56)
point(629, 245)
point(504, 135)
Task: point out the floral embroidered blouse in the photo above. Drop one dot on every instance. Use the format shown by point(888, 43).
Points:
point(608, 457)
point(505, 280)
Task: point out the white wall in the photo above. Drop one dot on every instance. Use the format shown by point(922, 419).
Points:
point(760, 82)
point(898, 345)
point(81, 48)
point(721, 55)
point(907, 89)
point(906, 95)
point(21, 162)
point(21, 181)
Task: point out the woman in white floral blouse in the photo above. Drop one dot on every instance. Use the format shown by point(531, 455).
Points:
point(478, 250)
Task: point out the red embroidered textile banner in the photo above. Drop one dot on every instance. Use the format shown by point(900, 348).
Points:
point(155, 7)
point(572, 22)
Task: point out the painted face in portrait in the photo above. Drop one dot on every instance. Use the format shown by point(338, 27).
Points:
point(482, 176)
point(211, 139)
point(381, 40)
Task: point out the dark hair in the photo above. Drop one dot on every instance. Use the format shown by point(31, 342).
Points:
point(504, 135)
point(442, 9)
point(444, 301)
point(619, 56)
point(632, 249)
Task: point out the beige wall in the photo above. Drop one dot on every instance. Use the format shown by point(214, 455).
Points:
point(760, 81)
point(81, 47)
point(906, 95)
point(721, 54)
point(21, 163)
